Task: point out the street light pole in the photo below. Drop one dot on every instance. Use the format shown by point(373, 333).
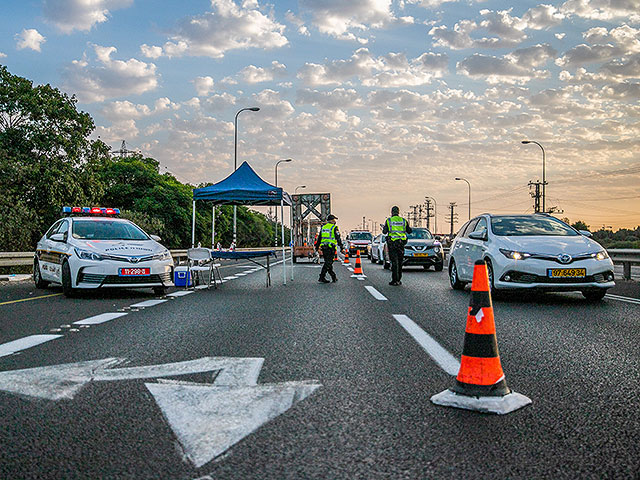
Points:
point(469, 185)
point(235, 162)
point(276, 229)
point(544, 174)
point(435, 214)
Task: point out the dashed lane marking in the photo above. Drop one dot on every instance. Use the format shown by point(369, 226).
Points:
point(97, 319)
point(179, 293)
point(148, 303)
point(622, 299)
point(14, 346)
point(31, 298)
point(442, 357)
point(375, 293)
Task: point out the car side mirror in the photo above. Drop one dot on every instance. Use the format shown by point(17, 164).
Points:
point(586, 233)
point(58, 237)
point(478, 235)
point(155, 237)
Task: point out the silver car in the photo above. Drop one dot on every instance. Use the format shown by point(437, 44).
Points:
point(531, 252)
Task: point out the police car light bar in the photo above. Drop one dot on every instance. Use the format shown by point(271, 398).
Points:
point(90, 211)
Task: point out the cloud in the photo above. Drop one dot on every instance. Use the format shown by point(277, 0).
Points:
point(3, 55)
point(203, 85)
point(584, 54)
point(227, 27)
point(252, 74)
point(336, 99)
point(29, 38)
point(339, 18)
point(543, 17)
point(603, 9)
point(108, 78)
point(391, 70)
point(150, 52)
point(534, 56)
point(499, 70)
point(70, 15)
point(120, 111)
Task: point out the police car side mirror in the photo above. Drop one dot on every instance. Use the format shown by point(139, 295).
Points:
point(586, 233)
point(155, 237)
point(58, 237)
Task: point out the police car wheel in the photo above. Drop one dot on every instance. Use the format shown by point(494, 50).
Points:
point(37, 276)
point(160, 291)
point(454, 281)
point(67, 289)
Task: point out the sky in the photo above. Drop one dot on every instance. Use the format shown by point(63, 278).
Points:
point(378, 102)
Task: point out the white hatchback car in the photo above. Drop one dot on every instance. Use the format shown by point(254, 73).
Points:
point(532, 252)
point(92, 249)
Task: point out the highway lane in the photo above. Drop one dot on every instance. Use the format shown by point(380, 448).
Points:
point(371, 418)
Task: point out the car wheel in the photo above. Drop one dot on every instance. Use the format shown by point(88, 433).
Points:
point(594, 295)
point(438, 267)
point(426, 267)
point(455, 282)
point(160, 291)
point(37, 276)
point(67, 288)
point(386, 265)
point(492, 287)
point(295, 259)
point(373, 260)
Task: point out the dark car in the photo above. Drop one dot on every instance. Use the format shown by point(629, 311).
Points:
point(421, 249)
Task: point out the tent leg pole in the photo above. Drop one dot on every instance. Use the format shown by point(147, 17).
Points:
point(284, 259)
point(193, 226)
point(213, 227)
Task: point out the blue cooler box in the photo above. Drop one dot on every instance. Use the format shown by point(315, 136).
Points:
point(181, 277)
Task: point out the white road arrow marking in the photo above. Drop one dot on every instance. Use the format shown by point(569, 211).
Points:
point(207, 419)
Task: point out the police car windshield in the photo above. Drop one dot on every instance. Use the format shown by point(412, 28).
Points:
point(530, 225)
point(420, 234)
point(360, 236)
point(106, 230)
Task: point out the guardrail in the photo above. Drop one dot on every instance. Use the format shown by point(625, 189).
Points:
point(16, 259)
point(626, 257)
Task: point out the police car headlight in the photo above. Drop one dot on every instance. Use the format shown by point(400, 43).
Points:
point(166, 255)
point(602, 255)
point(513, 255)
point(87, 255)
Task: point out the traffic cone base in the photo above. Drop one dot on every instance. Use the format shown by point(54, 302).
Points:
point(501, 405)
point(480, 384)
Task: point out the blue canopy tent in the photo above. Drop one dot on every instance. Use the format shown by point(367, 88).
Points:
point(242, 187)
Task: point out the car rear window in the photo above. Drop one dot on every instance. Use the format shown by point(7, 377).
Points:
point(530, 225)
point(107, 230)
point(360, 236)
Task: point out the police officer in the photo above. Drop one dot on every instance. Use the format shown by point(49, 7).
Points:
point(328, 240)
point(396, 229)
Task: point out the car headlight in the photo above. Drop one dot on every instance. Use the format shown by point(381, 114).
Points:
point(436, 249)
point(513, 255)
point(601, 255)
point(87, 255)
point(166, 255)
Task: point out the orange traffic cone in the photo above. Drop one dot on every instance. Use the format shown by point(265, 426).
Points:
point(357, 272)
point(346, 258)
point(480, 384)
point(335, 259)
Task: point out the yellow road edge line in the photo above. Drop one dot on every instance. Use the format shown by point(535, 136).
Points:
point(32, 298)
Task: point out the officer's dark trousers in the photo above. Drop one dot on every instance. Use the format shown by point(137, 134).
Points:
point(328, 253)
point(396, 256)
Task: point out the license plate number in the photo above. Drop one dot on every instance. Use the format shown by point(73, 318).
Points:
point(134, 272)
point(567, 272)
point(420, 254)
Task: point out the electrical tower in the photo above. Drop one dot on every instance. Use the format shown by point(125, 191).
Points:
point(428, 212)
point(452, 217)
point(536, 195)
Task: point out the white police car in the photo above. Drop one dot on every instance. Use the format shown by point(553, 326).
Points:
point(90, 248)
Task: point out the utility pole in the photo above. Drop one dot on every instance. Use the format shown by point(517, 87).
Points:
point(428, 208)
point(536, 195)
point(452, 217)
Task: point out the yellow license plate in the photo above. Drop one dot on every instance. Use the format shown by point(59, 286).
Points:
point(567, 272)
point(420, 254)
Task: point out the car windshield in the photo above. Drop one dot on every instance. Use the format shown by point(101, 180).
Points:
point(420, 234)
point(107, 230)
point(360, 236)
point(530, 225)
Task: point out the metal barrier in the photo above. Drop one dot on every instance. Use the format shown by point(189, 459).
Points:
point(16, 259)
point(626, 257)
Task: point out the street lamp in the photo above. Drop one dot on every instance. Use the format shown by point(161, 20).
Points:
point(278, 163)
point(299, 186)
point(544, 173)
point(469, 185)
point(235, 162)
point(435, 213)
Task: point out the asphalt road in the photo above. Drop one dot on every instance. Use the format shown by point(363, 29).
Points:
point(371, 418)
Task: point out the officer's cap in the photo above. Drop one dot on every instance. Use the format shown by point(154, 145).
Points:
point(332, 217)
point(395, 210)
